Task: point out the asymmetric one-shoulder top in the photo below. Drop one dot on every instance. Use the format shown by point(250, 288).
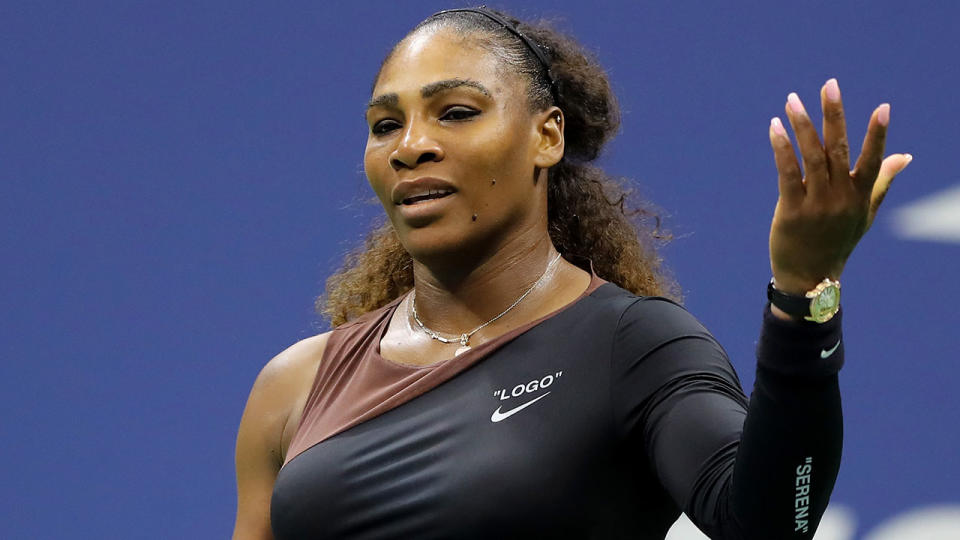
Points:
point(602, 420)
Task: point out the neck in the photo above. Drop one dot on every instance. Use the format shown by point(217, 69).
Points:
point(457, 298)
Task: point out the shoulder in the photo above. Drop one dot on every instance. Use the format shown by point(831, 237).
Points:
point(649, 323)
point(279, 390)
point(661, 317)
point(261, 436)
point(289, 366)
point(299, 361)
point(657, 340)
point(658, 317)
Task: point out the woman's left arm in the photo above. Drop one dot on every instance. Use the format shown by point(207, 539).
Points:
point(768, 475)
point(793, 431)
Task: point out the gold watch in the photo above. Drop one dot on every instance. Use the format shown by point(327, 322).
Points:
point(819, 304)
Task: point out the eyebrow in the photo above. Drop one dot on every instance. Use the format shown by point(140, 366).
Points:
point(392, 99)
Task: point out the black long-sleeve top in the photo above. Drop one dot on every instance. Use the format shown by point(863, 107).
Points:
point(604, 421)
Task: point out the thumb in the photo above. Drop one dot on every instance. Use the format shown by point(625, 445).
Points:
point(892, 165)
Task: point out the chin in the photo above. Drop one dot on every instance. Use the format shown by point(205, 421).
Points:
point(451, 239)
point(433, 243)
point(438, 246)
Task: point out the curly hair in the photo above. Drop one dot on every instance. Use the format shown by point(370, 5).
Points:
point(590, 213)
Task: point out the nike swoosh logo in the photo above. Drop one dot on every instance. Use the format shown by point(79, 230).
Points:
point(824, 353)
point(498, 416)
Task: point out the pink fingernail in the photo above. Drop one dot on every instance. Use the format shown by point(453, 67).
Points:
point(883, 115)
point(833, 90)
point(794, 101)
point(778, 126)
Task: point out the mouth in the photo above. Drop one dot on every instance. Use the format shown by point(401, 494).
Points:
point(421, 191)
point(430, 195)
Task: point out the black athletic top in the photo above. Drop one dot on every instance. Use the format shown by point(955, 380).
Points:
point(602, 421)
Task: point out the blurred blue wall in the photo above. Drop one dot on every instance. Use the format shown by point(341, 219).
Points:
point(178, 179)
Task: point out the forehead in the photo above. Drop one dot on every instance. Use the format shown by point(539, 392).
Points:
point(434, 55)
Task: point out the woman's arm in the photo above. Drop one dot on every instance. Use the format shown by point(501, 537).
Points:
point(678, 398)
point(260, 450)
point(739, 471)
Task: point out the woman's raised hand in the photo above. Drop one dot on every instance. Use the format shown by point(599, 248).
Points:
point(824, 211)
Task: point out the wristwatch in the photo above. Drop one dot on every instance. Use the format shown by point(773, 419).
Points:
point(819, 304)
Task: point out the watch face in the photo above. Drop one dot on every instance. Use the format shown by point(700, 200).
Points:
point(825, 305)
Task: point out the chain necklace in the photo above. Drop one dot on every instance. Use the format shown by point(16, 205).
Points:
point(464, 339)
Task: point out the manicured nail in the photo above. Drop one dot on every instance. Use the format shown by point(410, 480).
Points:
point(833, 90)
point(778, 126)
point(883, 115)
point(795, 104)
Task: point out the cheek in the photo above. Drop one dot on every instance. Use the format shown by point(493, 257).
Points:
point(510, 166)
point(503, 154)
point(373, 165)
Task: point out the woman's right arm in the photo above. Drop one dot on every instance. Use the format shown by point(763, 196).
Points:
point(274, 402)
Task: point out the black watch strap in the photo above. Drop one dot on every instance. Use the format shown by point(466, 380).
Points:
point(798, 306)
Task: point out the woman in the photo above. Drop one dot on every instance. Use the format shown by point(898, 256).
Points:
point(504, 362)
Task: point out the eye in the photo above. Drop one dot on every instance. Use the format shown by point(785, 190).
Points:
point(459, 113)
point(384, 126)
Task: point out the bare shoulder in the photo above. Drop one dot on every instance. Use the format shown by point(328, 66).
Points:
point(277, 396)
point(281, 389)
point(289, 367)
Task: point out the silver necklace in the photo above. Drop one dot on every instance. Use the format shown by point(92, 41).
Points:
point(464, 339)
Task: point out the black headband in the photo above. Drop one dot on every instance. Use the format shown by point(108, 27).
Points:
point(527, 41)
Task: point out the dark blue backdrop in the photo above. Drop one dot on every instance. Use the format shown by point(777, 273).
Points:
point(178, 179)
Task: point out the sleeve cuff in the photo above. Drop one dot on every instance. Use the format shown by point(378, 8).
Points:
point(800, 348)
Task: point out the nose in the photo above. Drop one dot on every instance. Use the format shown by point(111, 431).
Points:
point(415, 147)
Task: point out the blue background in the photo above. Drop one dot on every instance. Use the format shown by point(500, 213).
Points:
point(179, 179)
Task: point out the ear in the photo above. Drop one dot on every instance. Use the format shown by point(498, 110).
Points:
point(549, 142)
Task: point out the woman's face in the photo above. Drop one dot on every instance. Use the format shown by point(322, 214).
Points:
point(452, 148)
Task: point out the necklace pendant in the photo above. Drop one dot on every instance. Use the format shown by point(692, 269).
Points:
point(464, 345)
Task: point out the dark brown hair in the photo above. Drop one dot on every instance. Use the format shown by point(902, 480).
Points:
point(590, 214)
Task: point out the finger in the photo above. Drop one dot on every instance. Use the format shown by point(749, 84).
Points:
point(815, 176)
point(835, 145)
point(889, 168)
point(788, 169)
point(871, 154)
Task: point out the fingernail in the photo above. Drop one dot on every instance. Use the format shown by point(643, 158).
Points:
point(833, 90)
point(909, 159)
point(778, 126)
point(883, 115)
point(794, 101)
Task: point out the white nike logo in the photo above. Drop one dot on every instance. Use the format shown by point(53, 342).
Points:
point(498, 416)
point(824, 353)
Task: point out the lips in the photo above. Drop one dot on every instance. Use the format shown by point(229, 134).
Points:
point(412, 192)
point(431, 194)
